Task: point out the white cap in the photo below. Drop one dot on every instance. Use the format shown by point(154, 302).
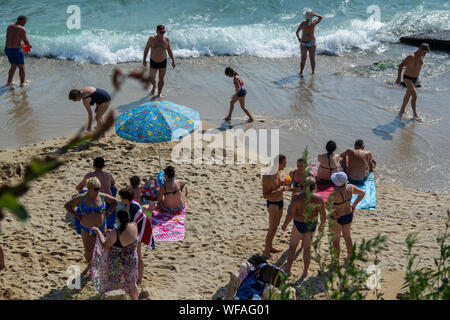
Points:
point(339, 178)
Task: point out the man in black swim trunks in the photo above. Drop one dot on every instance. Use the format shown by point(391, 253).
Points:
point(413, 63)
point(158, 45)
point(273, 187)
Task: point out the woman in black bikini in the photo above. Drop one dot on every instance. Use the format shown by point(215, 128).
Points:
point(91, 96)
point(297, 177)
point(343, 211)
point(328, 163)
point(172, 194)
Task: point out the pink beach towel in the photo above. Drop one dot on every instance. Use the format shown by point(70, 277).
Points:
point(167, 226)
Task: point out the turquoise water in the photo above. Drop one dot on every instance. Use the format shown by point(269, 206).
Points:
point(116, 31)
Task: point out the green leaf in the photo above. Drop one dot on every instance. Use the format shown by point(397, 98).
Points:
point(11, 203)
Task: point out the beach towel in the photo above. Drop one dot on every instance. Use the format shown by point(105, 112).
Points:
point(167, 226)
point(369, 201)
point(324, 189)
point(144, 225)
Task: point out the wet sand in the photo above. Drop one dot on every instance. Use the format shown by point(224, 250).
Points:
point(226, 223)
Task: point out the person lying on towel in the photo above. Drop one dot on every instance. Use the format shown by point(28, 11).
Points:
point(172, 194)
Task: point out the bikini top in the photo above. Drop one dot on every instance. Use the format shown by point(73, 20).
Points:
point(297, 184)
point(329, 165)
point(88, 210)
point(117, 243)
point(344, 201)
point(170, 192)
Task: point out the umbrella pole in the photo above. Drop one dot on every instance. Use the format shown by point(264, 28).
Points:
point(159, 155)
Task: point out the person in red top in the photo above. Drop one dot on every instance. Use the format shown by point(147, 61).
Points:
point(16, 36)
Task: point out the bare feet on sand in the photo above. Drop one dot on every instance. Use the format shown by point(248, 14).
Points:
point(275, 250)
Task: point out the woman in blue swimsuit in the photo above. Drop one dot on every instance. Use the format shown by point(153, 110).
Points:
point(92, 205)
point(91, 96)
point(343, 211)
point(308, 40)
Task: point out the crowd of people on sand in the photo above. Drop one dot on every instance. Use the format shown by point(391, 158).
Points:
point(113, 229)
point(341, 172)
point(114, 250)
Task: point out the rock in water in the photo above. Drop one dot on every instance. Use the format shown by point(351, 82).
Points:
point(439, 40)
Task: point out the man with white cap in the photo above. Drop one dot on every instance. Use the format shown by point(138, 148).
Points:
point(343, 211)
point(308, 40)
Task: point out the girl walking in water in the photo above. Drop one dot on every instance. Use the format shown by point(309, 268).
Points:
point(239, 95)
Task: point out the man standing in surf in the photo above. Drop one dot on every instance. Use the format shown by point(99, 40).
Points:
point(413, 63)
point(308, 40)
point(158, 45)
point(15, 36)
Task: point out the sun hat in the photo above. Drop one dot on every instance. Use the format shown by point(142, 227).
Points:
point(339, 178)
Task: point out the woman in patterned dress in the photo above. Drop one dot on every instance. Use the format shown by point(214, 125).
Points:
point(115, 261)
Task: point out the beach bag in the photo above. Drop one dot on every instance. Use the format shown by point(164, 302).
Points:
point(269, 273)
point(150, 190)
point(249, 287)
point(257, 260)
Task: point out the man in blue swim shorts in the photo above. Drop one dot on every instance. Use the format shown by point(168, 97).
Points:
point(304, 225)
point(273, 188)
point(16, 35)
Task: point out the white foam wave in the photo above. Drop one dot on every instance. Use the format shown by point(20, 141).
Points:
point(278, 41)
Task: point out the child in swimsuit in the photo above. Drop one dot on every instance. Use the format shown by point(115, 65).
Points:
point(238, 95)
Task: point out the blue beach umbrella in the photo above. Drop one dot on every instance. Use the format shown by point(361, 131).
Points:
point(157, 121)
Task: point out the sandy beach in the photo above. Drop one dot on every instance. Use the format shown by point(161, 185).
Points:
point(226, 223)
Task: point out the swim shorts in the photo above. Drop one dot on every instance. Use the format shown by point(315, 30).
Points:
point(15, 56)
point(158, 65)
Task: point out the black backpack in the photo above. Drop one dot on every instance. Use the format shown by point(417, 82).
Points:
point(269, 273)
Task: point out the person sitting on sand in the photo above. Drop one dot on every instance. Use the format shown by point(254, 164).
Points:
point(158, 45)
point(172, 194)
point(2, 260)
point(273, 188)
point(329, 163)
point(135, 183)
point(107, 184)
point(413, 63)
point(115, 259)
point(91, 96)
point(297, 177)
point(308, 40)
point(343, 211)
point(239, 95)
point(16, 35)
point(94, 212)
point(357, 163)
point(304, 226)
point(143, 223)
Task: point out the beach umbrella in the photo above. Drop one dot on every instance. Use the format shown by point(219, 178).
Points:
point(156, 122)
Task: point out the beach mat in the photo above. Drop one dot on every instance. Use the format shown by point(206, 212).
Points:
point(369, 201)
point(168, 227)
point(324, 189)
